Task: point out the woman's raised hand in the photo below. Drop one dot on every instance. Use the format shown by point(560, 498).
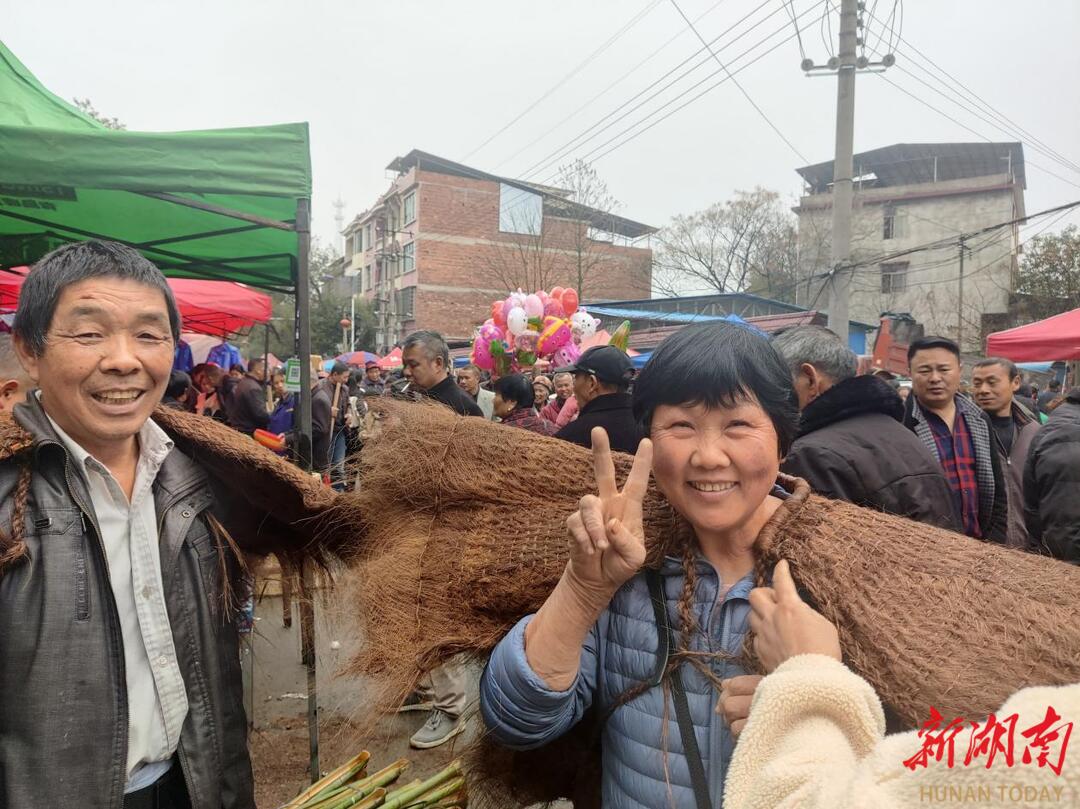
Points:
point(607, 538)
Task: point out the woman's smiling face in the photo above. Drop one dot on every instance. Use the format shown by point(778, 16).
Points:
point(717, 465)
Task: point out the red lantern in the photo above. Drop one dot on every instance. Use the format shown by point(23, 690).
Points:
point(345, 323)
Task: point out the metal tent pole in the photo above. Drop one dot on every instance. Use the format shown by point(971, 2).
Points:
point(303, 411)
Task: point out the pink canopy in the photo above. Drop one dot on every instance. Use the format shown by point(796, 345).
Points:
point(219, 308)
point(1056, 338)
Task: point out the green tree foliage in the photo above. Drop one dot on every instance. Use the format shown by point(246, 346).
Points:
point(328, 307)
point(1049, 277)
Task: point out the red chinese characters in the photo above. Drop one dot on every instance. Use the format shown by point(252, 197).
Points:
point(994, 740)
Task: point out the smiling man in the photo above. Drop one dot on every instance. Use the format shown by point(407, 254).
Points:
point(120, 682)
point(994, 382)
point(958, 433)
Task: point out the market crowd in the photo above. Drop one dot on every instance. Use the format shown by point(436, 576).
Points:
point(120, 682)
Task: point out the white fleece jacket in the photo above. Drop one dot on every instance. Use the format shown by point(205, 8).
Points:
point(815, 740)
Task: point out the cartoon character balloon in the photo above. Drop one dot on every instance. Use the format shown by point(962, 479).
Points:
point(583, 325)
point(555, 335)
point(517, 320)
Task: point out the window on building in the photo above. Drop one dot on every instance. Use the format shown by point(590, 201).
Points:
point(406, 300)
point(368, 235)
point(600, 235)
point(348, 247)
point(892, 226)
point(358, 242)
point(408, 257)
point(367, 278)
point(520, 211)
point(408, 208)
point(894, 277)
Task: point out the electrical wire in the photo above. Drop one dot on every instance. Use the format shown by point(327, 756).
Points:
point(795, 22)
point(614, 84)
point(742, 89)
point(930, 106)
point(976, 100)
point(604, 123)
point(581, 66)
point(668, 103)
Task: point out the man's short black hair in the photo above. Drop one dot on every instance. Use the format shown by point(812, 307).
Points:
point(179, 382)
point(516, 388)
point(339, 368)
point(70, 264)
point(433, 343)
point(924, 343)
point(1008, 365)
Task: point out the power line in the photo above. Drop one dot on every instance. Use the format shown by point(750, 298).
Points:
point(795, 22)
point(934, 245)
point(545, 164)
point(573, 143)
point(742, 89)
point(976, 100)
point(588, 60)
point(968, 128)
point(614, 84)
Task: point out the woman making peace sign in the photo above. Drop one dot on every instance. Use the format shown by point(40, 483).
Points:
point(718, 406)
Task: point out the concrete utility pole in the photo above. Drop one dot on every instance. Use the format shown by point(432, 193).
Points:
point(843, 169)
point(960, 301)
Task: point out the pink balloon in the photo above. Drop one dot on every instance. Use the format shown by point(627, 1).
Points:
point(481, 355)
point(553, 308)
point(534, 307)
point(570, 301)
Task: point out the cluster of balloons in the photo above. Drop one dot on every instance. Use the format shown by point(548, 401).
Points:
point(527, 327)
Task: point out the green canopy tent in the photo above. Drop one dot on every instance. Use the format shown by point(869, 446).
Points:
point(227, 204)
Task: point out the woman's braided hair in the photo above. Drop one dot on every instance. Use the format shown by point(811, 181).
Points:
point(13, 542)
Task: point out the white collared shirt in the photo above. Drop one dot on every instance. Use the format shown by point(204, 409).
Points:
point(157, 700)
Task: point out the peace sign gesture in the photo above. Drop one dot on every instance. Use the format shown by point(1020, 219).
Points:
point(607, 539)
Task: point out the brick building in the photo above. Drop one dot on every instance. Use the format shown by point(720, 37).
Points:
point(911, 204)
point(445, 240)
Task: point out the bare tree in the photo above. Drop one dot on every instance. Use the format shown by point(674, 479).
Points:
point(565, 241)
point(84, 105)
point(590, 230)
point(747, 242)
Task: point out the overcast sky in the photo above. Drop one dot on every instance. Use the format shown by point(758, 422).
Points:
point(378, 79)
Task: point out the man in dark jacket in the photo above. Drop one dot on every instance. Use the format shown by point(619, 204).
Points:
point(247, 405)
point(602, 378)
point(426, 360)
point(994, 383)
point(958, 433)
point(322, 426)
point(1052, 482)
point(851, 443)
point(120, 682)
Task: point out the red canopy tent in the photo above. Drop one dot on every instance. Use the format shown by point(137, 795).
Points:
point(1056, 338)
point(218, 308)
point(391, 360)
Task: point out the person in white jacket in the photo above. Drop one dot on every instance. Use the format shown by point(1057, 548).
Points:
point(815, 734)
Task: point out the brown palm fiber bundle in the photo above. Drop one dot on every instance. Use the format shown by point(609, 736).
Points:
point(459, 530)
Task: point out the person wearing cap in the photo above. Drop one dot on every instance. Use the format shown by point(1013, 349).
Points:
point(372, 383)
point(601, 383)
point(542, 391)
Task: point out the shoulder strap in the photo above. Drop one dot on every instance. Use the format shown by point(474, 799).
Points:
point(678, 693)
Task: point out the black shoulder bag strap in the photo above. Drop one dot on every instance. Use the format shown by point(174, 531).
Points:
point(678, 692)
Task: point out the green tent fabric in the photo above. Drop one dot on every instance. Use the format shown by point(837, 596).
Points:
point(65, 177)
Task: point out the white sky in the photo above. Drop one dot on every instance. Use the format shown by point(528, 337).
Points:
point(378, 79)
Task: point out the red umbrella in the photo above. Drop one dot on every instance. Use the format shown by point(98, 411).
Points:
point(207, 307)
point(391, 360)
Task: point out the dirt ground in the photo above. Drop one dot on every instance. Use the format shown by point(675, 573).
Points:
point(275, 698)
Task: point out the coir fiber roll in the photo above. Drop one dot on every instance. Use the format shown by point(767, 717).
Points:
point(458, 530)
